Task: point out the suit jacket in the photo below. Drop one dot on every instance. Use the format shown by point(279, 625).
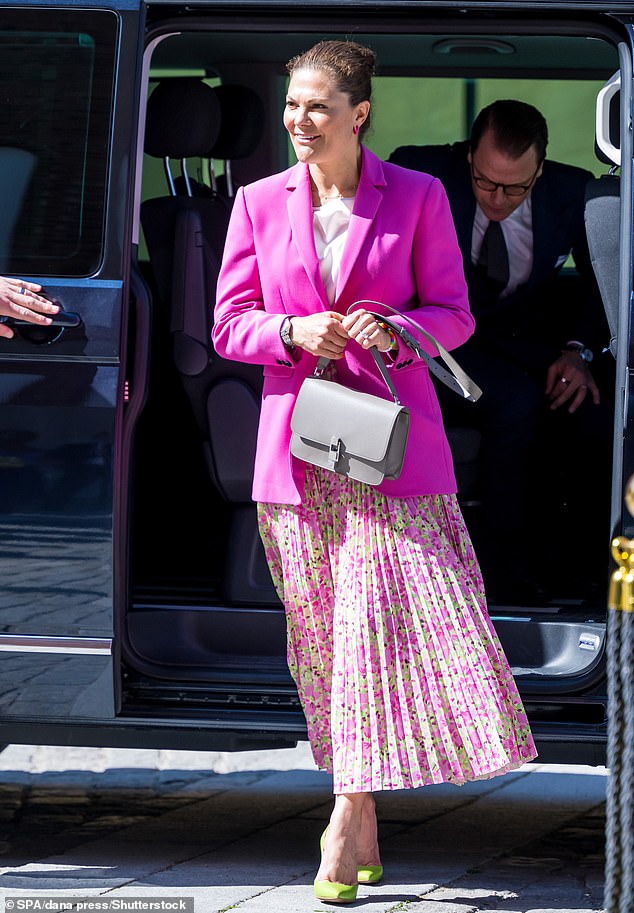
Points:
point(401, 249)
point(537, 319)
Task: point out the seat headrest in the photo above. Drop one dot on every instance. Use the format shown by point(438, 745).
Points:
point(182, 120)
point(241, 122)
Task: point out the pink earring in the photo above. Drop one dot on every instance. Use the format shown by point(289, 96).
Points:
point(355, 129)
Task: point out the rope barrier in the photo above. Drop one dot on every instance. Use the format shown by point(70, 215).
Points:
point(613, 860)
point(619, 869)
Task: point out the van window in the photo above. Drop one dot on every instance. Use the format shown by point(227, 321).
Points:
point(407, 108)
point(56, 84)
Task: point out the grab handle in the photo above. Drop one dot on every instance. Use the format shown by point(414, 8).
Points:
point(605, 119)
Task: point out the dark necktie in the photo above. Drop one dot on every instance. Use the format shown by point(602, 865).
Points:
point(494, 257)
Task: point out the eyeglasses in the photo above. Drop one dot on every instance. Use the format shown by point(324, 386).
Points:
point(509, 190)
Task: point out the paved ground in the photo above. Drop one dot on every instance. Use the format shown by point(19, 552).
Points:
point(239, 832)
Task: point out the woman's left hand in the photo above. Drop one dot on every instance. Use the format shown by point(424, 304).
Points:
point(363, 328)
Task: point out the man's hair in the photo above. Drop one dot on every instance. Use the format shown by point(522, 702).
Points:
point(516, 126)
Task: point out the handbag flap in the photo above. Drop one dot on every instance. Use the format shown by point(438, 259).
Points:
point(327, 411)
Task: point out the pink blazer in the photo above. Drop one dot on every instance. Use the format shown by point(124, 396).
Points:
point(401, 249)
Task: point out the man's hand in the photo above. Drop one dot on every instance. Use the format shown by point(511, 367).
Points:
point(320, 334)
point(19, 299)
point(569, 381)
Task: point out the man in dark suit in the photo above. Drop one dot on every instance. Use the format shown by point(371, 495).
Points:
point(518, 217)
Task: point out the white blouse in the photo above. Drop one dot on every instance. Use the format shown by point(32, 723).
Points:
point(330, 223)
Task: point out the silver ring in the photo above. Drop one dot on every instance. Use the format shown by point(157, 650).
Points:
point(22, 290)
point(564, 380)
point(364, 335)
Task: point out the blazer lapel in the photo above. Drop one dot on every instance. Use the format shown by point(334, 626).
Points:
point(366, 204)
point(300, 215)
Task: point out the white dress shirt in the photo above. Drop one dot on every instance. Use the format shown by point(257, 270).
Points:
point(518, 236)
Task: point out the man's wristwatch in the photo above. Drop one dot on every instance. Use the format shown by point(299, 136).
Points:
point(582, 351)
point(285, 333)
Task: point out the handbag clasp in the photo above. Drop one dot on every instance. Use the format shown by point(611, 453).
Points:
point(334, 451)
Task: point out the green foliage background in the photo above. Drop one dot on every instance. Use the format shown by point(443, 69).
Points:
point(435, 110)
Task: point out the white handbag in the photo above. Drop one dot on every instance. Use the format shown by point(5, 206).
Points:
point(358, 434)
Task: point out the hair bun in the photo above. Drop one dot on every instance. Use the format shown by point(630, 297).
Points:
point(348, 64)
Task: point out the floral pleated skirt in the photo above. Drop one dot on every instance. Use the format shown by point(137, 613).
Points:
point(401, 676)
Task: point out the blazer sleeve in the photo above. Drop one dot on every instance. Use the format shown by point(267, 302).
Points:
point(434, 160)
point(242, 330)
point(443, 298)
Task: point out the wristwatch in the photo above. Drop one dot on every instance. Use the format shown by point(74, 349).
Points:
point(285, 333)
point(581, 350)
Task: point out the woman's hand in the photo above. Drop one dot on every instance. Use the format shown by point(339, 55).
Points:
point(19, 299)
point(320, 334)
point(363, 328)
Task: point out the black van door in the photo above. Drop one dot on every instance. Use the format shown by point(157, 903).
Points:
point(67, 78)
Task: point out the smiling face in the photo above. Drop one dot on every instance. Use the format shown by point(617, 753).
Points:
point(489, 162)
point(321, 121)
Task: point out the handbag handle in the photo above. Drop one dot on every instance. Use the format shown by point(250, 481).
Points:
point(322, 364)
point(456, 379)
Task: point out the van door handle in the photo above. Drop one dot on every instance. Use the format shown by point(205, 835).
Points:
point(61, 319)
point(44, 334)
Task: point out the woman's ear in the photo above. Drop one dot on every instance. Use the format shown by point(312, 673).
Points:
point(361, 115)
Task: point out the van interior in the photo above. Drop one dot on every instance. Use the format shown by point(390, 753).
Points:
point(204, 628)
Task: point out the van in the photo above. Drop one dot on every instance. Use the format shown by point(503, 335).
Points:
point(135, 603)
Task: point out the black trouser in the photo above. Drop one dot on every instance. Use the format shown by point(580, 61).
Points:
point(545, 476)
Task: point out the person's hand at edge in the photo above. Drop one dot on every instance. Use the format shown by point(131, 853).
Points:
point(20, 299)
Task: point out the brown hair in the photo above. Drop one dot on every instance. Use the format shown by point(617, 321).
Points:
point(516, 127)
point(348, 64)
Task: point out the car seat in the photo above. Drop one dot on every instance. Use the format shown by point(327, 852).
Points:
point(603, 207)
point(185, 234)
point(242, 120)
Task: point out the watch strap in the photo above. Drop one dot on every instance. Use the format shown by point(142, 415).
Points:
point(583, 351)
point(285, 333)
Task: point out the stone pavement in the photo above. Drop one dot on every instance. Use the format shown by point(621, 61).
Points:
point(240, 831)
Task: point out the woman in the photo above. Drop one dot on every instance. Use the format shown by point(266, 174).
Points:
point(401, 677)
